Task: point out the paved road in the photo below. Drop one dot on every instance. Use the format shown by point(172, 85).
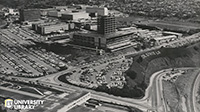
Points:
point(153, 96)
point(181, 40)
point(52, 81)
point(153, 99)
point(194, 92)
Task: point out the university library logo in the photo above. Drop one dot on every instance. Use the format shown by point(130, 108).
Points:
point(8, 103)
point(22, 104)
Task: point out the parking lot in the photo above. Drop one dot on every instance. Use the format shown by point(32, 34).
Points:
point(110, 72)
point(18, 60)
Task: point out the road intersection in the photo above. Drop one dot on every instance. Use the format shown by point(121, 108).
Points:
point(153, 99)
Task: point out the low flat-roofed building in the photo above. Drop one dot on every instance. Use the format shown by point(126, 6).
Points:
point(109, 41)
point(53, 27)
point(57, 13)
point(165, 33)
point(119, 45)
point(36, 25)
point(54, 13)
point(127, 28)
point(47, 29)
point(75, 16)
point(165, 39)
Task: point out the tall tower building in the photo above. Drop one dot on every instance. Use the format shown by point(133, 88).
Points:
point(106, 24)
point(29, 14)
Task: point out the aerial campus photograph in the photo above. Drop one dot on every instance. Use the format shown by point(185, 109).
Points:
point(99, 55)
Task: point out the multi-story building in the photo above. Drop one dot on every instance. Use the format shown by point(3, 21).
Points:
point(112, 41)
point(106, 36)
point(165, 39)
point(47, 28)
point(35, 26)
point(75, 16)
point(106, 24)
point(55, 13)
point(29, 14)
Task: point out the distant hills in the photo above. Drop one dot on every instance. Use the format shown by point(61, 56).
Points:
point(39, 3)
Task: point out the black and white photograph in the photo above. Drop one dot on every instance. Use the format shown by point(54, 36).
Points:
point(99, 55)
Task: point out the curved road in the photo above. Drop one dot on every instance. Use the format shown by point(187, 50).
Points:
point(153, 99)
point(194, 92)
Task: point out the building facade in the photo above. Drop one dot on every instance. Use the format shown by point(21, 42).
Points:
point(29, 14)
point(107, 42)
point(106, 24)
point(48, 28)
point(165, 39)
point(106, 36)
point(75, 16)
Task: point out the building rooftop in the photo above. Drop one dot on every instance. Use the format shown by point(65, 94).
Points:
point(57, 24)
point(50, 24)
point(172, 33)
point(115, 34)
point(165, 37)
point(44, 24)
point(82, 13)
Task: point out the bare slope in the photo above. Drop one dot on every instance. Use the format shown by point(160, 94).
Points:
point(178, 94)
point(144, 66)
